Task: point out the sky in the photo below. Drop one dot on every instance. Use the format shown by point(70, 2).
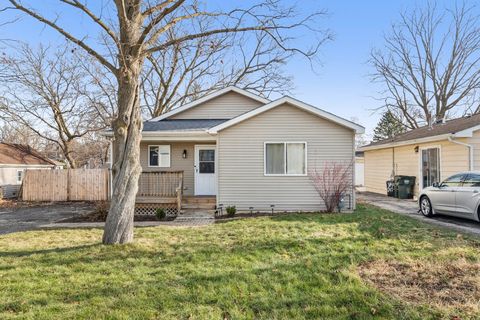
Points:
point(340, 85)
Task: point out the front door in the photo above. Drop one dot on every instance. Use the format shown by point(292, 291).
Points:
point(205, 170)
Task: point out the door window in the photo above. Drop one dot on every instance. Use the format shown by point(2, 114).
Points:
point(206, 161)
point(454, 181)
point(472, 180)
point(430, 166)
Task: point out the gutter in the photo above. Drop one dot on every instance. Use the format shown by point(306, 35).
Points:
point(470, 150)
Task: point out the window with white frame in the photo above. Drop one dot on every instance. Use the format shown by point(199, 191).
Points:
point(159, 156)
point(19, 176)
point(285, 158)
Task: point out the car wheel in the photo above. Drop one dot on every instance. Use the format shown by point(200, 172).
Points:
point(426, 206)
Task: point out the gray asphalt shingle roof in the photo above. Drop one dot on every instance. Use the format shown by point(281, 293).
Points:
point(181, 124)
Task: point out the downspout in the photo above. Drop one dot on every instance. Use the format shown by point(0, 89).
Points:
point(470, 150)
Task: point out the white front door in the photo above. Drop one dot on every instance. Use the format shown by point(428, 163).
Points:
point(205, 170)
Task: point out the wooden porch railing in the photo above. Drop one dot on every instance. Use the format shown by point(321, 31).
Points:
point(161, 184)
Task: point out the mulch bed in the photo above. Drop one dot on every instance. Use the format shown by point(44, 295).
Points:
point(259, 214)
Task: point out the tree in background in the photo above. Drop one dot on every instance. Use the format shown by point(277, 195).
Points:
point(388, 127)
point(49, 93)
point(430, 67)
point(139, 29)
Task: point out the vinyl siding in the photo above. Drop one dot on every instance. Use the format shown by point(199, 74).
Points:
point(226, 106)
point(475, 141)
point(378, 163)
point(177, 163)
point(241, 159)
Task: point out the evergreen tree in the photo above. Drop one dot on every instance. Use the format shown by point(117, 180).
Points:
point(388, 127)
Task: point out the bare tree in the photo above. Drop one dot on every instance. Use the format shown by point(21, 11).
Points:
point(190, 70)
point(49, 95)
point(430, 67)
point(141, 28)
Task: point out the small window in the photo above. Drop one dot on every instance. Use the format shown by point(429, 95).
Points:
point(206, 161)
point(159, 156)
point(454, 181)
point(19, 176)
point(285, 158)
point(472, 180)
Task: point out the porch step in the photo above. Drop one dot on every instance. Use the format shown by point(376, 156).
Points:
point(199, 200)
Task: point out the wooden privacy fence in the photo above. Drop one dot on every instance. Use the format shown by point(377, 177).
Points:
point(66, 185)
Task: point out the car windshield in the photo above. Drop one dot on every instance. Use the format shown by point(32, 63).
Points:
point(454, 181)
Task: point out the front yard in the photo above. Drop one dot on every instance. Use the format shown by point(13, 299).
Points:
point(370, 264)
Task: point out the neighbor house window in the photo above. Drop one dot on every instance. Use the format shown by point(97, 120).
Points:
point(285, 158)
point(19, 176)
point(159, 156)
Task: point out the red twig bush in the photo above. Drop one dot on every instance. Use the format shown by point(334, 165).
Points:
point(332, 181)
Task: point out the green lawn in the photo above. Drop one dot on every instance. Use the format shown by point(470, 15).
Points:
point(293, 266)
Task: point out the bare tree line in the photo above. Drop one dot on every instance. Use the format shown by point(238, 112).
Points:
point(430, 66)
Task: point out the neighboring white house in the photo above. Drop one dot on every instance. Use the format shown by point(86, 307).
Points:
point(247, 151)
point(14, 160)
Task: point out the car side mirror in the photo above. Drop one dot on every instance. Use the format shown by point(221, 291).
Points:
point(436, 185)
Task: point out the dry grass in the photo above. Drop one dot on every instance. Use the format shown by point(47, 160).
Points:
point(445, 284)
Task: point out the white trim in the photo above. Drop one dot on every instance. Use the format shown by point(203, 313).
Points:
point(209, 97)
point(169, 155)
point(5, 165)
point(316, 111)
point(285, 157)
point(420, 176)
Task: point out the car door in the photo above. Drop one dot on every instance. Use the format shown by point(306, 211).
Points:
point(443, 197)
point(467, 196)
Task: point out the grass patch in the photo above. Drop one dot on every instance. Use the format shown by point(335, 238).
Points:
point(291, 266)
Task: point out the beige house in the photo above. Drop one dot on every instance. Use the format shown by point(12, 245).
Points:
point(239, 149)
point(430, 153)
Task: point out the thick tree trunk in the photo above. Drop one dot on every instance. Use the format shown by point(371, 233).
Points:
point(126, 159)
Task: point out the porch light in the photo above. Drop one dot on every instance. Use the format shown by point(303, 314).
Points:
point(184, 154)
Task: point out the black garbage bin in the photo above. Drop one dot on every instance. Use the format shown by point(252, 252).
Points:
point(404, 186)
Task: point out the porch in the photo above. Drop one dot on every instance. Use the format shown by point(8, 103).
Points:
point(165, 189)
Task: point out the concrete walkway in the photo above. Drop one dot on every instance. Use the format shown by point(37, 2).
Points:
point(410, 208)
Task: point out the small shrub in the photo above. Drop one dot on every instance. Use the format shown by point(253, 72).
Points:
point(160, 214)
point(231, 210)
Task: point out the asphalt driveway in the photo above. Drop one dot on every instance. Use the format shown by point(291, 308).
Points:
point(35, 217)
point(410, 208)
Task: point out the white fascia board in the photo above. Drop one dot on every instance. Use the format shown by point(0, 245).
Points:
point(177, 136)
point(467, 133)
point(210, 97)
point(304, 106)
point(405, 143)
point(6, 165)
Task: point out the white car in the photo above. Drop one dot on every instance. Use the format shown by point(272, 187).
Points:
point(458, 196)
